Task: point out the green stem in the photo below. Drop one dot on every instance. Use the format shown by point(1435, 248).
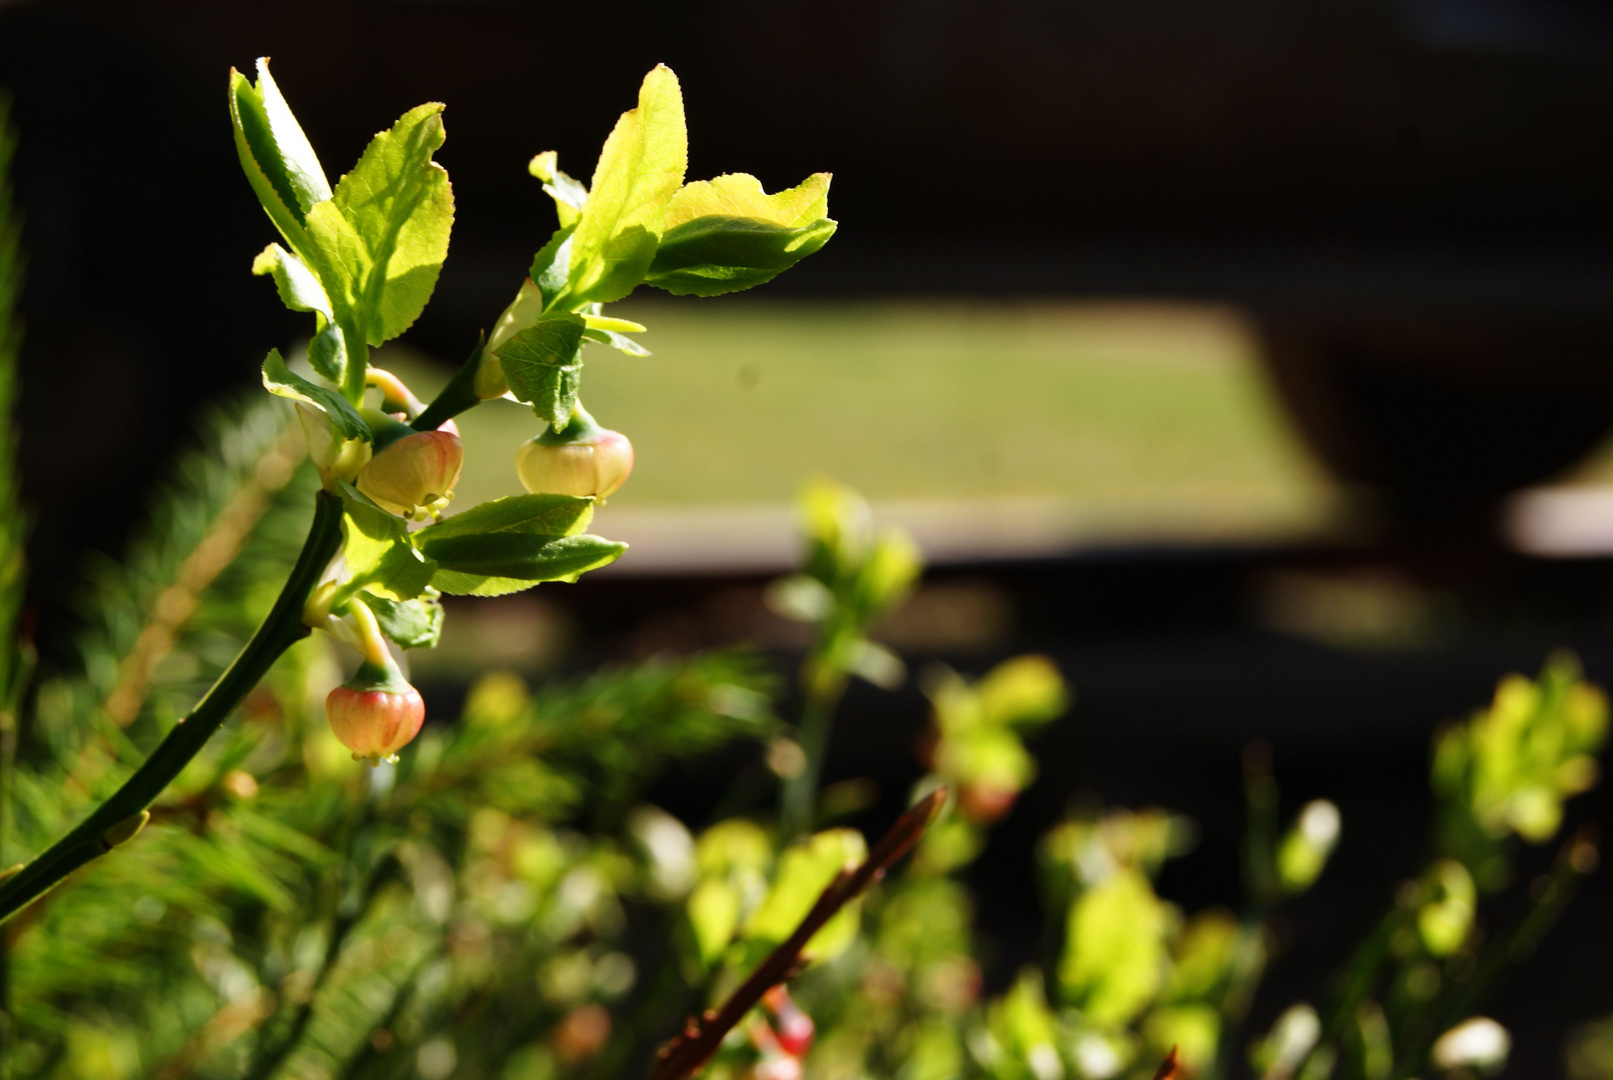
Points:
point(1357, 979)
point(817, 716)
point(358, 362)
point(455, 398)
point(1262, 896)
point(281, 629)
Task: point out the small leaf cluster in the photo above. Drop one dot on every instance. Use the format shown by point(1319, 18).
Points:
point(637, 223)
point(363, 257)
point(1509, 769)
point(978, 731)
point(852, 576)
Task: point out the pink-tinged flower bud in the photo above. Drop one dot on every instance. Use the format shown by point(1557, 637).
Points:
point(791, 1025)
point(375, 713)
point(595, 468)
point(413, 473)
point(581, 459)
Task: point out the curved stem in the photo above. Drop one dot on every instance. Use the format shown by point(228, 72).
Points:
point(455, 398)
point(282, 628)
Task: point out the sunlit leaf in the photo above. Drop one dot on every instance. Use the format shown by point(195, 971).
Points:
point(640, 168)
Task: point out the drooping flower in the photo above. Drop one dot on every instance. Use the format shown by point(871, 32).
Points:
point(375, 713)
point(413, 473)
point(582, 459)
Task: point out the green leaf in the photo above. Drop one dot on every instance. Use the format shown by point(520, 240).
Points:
point(281, 380)
point(620, 342)
point(569, 196)
point(413, 624)
point(327, 352)
point(804, 871)
point(713, 909)
point(532, 515)
point(1114, 953)
point(639, 170)
point(552, 263)
point(604, 322)
point(297, 285)
point(301, 291)
point(727, 234)
point(493, 564)
point(543, 366)
point(376, 548)
point(385, 230)
point(280, 163)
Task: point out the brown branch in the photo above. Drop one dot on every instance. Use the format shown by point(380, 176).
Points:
point(690, 1049)
point(1168, 1068)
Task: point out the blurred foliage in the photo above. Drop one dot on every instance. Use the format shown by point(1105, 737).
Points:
point(503, 904)
point(852, 575)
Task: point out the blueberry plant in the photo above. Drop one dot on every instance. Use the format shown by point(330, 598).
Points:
point(327, 889)
point(362, 257)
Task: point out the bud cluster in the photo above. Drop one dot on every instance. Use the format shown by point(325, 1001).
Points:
point(413, 473)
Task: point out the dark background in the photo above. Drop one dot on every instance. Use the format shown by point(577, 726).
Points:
point(1411, 196)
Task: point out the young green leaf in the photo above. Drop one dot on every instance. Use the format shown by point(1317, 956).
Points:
point(620, 342)
point(281, 380)
point(569, 196)
point(280, 163)
point(612, 332)
point(301, 291)
point(604, 322)
point(385, 231)
point(543, 366)
point(639, 170)
point(727, 234)
point(376, 548)
point(413, 624)
point(493, 564)
point(552, 263)
point(532, 515)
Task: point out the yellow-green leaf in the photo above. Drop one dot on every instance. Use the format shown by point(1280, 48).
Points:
point(640, 168)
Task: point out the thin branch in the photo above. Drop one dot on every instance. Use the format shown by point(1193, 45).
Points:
point(111, 822)
point(216, 550)
point(1168, 1067)
point(689, 1051)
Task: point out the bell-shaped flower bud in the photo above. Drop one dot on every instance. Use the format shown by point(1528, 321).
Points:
point(375, 713)
point(583, 459)
point(337, 459)
point(524, 311)
point(413, 473)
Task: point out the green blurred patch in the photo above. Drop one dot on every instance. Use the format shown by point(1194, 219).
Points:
point(1106, 403)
